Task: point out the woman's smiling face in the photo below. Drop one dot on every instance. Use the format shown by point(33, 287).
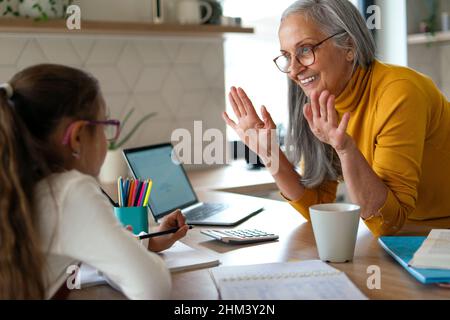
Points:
point(333, 66)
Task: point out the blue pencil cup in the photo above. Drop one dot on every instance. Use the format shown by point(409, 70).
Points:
point(137, 217)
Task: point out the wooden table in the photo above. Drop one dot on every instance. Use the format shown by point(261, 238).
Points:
point(296, 242)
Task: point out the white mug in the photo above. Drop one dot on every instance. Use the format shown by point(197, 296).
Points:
point(335, 227)
point(189, 11)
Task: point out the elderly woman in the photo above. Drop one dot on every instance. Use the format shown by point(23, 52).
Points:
point(383, 129)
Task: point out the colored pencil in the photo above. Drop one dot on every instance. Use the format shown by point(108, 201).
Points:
point(137, 193)
point(161, 233)
point(130, 193)
point(142, 193)
point(120, 191)
point(147, 194)
point(124, 192)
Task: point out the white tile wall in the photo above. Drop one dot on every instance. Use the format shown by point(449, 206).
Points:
point(180, 78)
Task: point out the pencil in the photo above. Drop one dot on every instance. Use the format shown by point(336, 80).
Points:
point(142, 193)
point(147, 194)
point(161, 233)
point(140, 184)
point(127, 190)
point(115, 204)
point(124, 191)
point(130, 193)
point(120, 191)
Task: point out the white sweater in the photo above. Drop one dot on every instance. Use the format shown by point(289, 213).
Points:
point(77, 223)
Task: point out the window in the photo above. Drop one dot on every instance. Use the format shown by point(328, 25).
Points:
point(248, 58)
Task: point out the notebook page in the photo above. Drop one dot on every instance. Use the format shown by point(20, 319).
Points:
point(439, 242)
point(181, 257)
point(292, 280)
point(435, 251)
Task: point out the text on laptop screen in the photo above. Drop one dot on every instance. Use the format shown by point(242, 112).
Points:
point(171, 189)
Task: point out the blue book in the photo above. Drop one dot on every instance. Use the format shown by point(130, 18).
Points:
point(403, 249)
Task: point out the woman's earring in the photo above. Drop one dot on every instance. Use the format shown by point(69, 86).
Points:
point(76, 154)
point(350, 56)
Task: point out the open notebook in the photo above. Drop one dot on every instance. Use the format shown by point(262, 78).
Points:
point(434, 253)
point(402, 249)
point(305, 280)
point(179, 257)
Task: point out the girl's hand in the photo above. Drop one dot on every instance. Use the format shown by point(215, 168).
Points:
point(257, 134)
point(174, 219)
point(323, 121)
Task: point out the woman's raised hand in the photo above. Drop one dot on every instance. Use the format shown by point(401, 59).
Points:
point(323, 120)
point(255, 132)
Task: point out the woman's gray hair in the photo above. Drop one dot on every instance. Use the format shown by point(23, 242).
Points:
point(331, 16)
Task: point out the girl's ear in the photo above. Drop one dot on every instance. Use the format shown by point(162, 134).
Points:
point(75, 138)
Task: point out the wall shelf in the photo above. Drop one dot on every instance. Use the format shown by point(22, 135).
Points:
point(423, 38)
point(21, 25)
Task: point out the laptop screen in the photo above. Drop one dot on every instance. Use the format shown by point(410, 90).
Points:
point(171, 188)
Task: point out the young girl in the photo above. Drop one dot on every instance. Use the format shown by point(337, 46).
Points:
point(52, 212)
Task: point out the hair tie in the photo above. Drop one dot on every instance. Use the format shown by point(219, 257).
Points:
point(8, 89)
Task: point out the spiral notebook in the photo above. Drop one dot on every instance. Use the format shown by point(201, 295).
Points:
point(305, 280)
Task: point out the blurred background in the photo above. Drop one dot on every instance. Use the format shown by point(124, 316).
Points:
point(178, 58)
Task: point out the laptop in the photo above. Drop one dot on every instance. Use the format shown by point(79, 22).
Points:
point(172, 189)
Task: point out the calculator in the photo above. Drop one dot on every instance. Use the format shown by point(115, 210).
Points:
point(237, 236)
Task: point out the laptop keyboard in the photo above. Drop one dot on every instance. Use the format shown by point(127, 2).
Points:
point(205, 211)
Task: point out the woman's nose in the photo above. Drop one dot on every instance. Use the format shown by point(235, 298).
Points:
point(295, 68)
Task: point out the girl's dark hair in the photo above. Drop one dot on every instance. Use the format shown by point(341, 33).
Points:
point(42, 96)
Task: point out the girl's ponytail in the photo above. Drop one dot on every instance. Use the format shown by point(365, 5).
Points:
point(21, 257)
point(32, 105)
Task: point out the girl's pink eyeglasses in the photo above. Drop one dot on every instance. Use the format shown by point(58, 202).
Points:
point(112, 129)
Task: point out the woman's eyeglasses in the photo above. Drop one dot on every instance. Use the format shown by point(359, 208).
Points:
point(110, 127)
point(305, 55)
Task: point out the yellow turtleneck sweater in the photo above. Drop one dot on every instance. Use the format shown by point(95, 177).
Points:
point(400, 122)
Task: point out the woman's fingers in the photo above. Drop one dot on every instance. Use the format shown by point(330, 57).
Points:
point(308, 115)
point(228, 121)
point(248, 105)
point(267, 118)
point(238, 101)
point(323, 98)
point(331, 111)
point(344, 122)
point(234, 105)
point(314, 103)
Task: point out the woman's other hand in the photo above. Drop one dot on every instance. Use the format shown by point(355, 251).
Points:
point(323, 120)
point(258, 134)
point(173, 220)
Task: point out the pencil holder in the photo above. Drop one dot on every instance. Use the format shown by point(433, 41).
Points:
point(137, 217)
